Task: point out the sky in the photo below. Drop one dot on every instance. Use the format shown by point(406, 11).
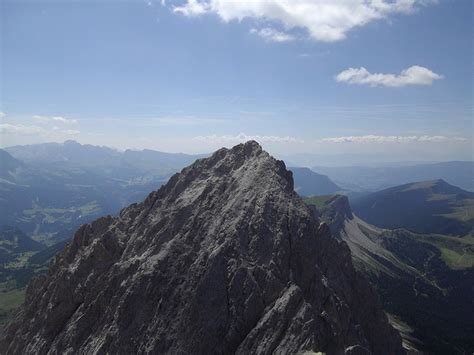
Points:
point(390, 80)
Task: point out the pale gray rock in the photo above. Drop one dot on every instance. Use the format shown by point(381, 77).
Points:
point(225, 258)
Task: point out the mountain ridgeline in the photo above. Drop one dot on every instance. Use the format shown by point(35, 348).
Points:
point(224, 258)
point(75, 154)
point(423, 207)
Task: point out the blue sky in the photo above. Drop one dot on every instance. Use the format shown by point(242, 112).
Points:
point(194, 75)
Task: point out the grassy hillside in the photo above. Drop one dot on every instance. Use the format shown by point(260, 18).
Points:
point(318, 201)
point(22, 259)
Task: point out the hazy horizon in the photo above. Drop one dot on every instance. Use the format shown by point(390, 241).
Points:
point(295, 160)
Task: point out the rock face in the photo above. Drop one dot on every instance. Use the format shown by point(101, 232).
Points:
point(225, 258)
point(335, 213)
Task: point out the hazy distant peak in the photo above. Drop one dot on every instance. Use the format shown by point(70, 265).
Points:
point(8, 163)
point(432, 206)
point(72, 142)
point(310, 183)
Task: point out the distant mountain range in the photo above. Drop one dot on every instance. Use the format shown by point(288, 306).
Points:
point(426, 281)
point(359, 178)
point(48, 190)
point(423, 207)
point(73, 154)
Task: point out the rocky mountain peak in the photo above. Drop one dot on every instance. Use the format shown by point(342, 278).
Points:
point(243, 160)
point(71, 142)
point(224, 258)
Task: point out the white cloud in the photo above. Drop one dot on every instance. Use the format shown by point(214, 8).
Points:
point(192, 8)
point(24, 130)
point(415, 75)
point(324, 20)
point(394, 139)
point(2, 114)
point(317, 54)
point(272, 35)
point(58, 119)
point(242, 137)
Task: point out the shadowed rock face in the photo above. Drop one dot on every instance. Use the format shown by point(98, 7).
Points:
point(225, 258)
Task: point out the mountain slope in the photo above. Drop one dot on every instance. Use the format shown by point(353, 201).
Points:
point(417, 284)
point(224, 258)
point(309, 183)
point(424, 207)
point(8, 164)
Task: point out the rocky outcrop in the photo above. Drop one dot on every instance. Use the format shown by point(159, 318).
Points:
point(335, 212)
point(224, 258)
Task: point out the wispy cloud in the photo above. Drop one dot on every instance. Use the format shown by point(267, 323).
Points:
point(31, 130)
point(394, 139)
point(192, 8)
point(7, 128)
point(2, 114)
point(56, 119)
point(415, 75)
point(184, 121)
point(273, 35)
point(322, 19)
point(312, 55)
point(71, 132)
point(242, 137)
